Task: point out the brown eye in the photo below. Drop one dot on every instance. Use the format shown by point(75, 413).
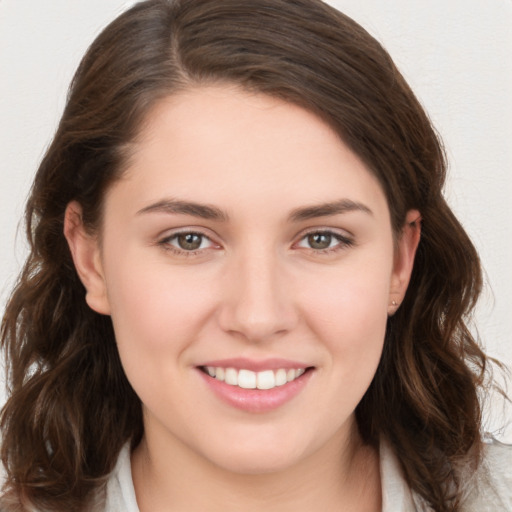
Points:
point(325, 241)
point(319, 240)
point(189, 241)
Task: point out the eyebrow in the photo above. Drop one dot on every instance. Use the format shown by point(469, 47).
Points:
point(328, 209)
point(170, 206)
point(209, 212)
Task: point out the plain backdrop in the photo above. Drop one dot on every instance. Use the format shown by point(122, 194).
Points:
point(455, 54)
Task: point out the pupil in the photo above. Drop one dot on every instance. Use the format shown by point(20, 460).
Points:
point(319, 241)
point(189, 241)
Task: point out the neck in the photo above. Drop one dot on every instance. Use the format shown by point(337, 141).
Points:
point(341, 477)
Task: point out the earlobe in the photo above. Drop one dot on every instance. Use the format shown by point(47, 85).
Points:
point(404, 259)
point(85, 251)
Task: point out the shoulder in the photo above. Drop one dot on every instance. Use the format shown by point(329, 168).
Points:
point(490, 488)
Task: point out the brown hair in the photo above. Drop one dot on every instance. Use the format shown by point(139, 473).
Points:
point(71, 408)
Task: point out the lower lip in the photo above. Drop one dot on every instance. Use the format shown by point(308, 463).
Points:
point(257, 400)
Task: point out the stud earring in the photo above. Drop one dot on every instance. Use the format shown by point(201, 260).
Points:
point(393, 307)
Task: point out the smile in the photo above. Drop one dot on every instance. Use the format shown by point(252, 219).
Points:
point(248, 379)
point(255, 386)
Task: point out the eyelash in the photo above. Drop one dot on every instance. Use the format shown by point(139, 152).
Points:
point(344, 242)
point(165, 243)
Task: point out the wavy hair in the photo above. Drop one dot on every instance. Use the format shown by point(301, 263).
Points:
point(71, 408)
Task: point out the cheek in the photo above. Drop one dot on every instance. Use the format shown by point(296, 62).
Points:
point(157, 312)
point(349, 314)
point(352, 299)
point(154, 297)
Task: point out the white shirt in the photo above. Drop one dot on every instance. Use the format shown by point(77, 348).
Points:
point(489, 490)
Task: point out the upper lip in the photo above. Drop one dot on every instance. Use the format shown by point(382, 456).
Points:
point(240, 363)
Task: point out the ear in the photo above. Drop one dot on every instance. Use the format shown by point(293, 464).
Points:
point(85, 250)
point(405, 252)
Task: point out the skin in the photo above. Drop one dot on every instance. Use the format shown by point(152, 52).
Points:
point(256, 288)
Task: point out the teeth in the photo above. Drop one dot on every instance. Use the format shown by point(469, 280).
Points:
point(281, 377)
point(266, 380)
point(220, 374)
point(248, 379)
point(231, 377)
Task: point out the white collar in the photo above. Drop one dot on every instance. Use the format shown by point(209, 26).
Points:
point(396, 495)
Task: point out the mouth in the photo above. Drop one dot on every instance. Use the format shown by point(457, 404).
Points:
point(249, 379)
point(256, 386)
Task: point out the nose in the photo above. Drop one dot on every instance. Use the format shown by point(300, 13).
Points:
point(257, 298)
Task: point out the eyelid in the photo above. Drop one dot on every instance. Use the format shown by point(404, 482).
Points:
point(339, 232)
point(167, 236)
point(344, 238)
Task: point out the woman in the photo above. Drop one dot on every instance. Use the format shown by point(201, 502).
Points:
point(245, 288)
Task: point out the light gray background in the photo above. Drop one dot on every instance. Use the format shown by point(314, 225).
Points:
point(456, 55)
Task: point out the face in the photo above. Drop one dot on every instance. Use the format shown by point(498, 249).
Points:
point(246, 247)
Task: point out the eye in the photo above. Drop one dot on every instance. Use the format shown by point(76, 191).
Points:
point(324, 241)
point(188, 241)
point(320, 240)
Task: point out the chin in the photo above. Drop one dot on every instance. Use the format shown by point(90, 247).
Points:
point(258, 456)
point(262, 464)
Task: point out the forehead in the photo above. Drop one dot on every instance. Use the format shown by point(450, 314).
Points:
point(222, 144)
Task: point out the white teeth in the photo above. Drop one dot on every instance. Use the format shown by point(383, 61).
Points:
point(231, 377)
point(281, 377)
point(220, 374)
point(248, 379)
point(266, 380)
